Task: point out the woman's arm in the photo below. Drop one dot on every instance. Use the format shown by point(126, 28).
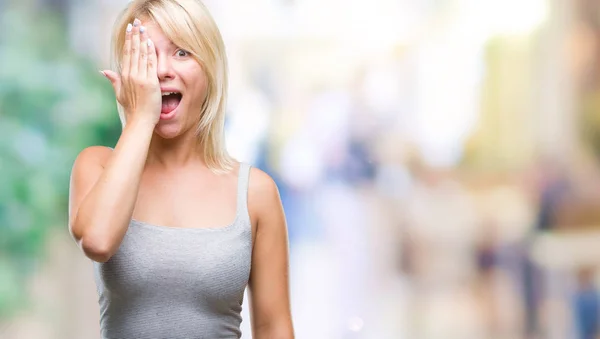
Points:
point(269, 282)
point(103, 191)
point(104, 184)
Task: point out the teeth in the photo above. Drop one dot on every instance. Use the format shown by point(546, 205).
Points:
point(168, 93)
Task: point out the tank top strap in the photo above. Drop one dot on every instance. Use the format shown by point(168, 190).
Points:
point(242, 190)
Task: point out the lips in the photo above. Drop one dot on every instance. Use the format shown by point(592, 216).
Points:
point(170, 101)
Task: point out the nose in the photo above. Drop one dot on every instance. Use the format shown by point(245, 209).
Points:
point(164, 69)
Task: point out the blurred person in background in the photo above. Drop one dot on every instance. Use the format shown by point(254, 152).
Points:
point(586, 305)
point(552, 189)
point(486, 249)
point(175, 226)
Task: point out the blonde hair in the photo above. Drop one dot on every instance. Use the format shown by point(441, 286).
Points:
point(189, 25)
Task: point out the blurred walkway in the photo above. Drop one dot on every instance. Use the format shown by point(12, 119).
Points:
point(63, 294)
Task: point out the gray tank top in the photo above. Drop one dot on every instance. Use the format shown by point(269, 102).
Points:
point(167, 282)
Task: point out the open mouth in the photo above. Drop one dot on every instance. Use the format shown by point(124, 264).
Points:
point(170, 101)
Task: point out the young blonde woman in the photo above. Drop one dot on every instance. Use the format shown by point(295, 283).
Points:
point(175, 227)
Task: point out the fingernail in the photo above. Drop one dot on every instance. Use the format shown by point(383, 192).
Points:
point(136, 22)
point(142, 29)
point(129, 28)
point(102, 72)
point(149, 42)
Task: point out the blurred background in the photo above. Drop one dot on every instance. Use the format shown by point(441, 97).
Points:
point(438, 160)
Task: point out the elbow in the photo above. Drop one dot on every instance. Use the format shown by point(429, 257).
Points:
point(280, 331)
point(275, 335)
point(93, 247)
point(96, 250)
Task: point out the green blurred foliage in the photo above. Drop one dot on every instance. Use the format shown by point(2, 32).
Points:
point(53, 104)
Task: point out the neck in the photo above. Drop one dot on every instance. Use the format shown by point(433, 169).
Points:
point(177, 152)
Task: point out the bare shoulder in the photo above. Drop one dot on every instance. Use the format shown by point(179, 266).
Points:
point(261, 185)
point(89, 164)
point(263, 195)
point(92, 156)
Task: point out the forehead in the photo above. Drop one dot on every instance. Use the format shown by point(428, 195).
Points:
point(157, 35)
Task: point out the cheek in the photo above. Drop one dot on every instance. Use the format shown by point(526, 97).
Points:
point(196, 85)
point(201, 83)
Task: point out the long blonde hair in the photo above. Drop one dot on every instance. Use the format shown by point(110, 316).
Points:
point(189, 25)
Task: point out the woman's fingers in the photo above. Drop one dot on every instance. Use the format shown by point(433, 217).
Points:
point(127, 51)
point(138, 88)
point(152, 60)
point(143, 62)
point(135, 48)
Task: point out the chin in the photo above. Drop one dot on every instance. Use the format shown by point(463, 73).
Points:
point(172, 128)
point(168, 131)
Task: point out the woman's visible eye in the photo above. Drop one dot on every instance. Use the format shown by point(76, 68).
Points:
point(182, 53)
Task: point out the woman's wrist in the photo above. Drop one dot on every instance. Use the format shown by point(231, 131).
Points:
point(141, 123)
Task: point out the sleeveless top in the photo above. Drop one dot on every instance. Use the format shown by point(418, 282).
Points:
point(168, 282)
